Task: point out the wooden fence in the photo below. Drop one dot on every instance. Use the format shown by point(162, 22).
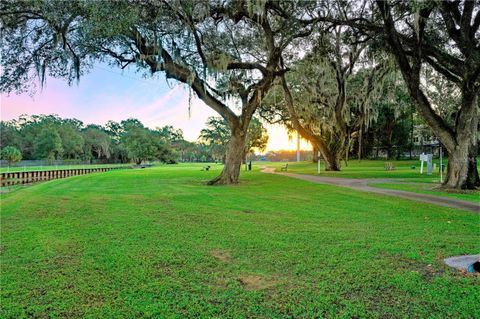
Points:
point(15, 178)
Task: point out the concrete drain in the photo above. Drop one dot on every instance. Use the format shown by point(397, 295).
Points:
point(468, 263)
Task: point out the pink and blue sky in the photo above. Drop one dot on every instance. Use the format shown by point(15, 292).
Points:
point(109, 94)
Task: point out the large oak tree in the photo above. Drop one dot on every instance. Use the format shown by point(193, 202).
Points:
point(445, 35)
point(227, 52)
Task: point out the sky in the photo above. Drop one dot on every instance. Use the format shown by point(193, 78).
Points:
point(110, 94)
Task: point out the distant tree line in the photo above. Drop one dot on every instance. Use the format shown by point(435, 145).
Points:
point(49, 137)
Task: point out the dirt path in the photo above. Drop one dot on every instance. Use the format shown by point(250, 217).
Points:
point(362, 185)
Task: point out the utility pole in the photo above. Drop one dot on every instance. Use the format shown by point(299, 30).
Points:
point(298, 147)
point(318, 162)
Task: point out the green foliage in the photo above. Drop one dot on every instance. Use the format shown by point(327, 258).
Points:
point(48, 144)
point(392, 128)
point(97, 143)
point(11, 154)
point(9, 134)
point(143, 144)
point(39, 42)
point(72, 141)
point(257, 137)
point(170, 133)
point(216, 136)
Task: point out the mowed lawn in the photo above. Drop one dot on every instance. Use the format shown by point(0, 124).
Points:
point(403, 169)
point(159, 243)
point(405, 177)
point(433, 189)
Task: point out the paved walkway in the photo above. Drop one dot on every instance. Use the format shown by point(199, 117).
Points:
point(362, 185)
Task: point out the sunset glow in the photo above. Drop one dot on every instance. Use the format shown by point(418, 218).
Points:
point(279, 139)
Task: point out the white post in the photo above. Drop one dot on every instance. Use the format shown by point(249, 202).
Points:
point(298, 147)
point(318, 162)
point(441, 165)
point(421, 163)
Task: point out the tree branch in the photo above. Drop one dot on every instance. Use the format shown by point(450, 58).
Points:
point(182, 74)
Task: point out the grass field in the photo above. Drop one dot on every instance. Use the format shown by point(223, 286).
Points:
point(428, 188)
point(418, 183)
point(367, 169)
point(159, 243)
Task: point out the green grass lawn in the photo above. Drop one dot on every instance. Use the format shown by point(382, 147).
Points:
point(428, 188)
point(159, 243)
point(367, 169)
point(420, 183)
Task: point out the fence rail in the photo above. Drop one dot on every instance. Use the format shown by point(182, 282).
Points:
point(16, 178)
point(27, 163)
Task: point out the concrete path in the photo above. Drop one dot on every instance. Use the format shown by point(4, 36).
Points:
point(362, 185)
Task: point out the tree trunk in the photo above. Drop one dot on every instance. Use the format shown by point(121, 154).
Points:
point(473, 179)
point(462, 159)
point(348, 149)
point(332, 161)
point(233, 159)
point(315, 154)
point(458, 167)
point(462, 169)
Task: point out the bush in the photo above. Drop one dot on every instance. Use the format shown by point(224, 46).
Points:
point(11, 154)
